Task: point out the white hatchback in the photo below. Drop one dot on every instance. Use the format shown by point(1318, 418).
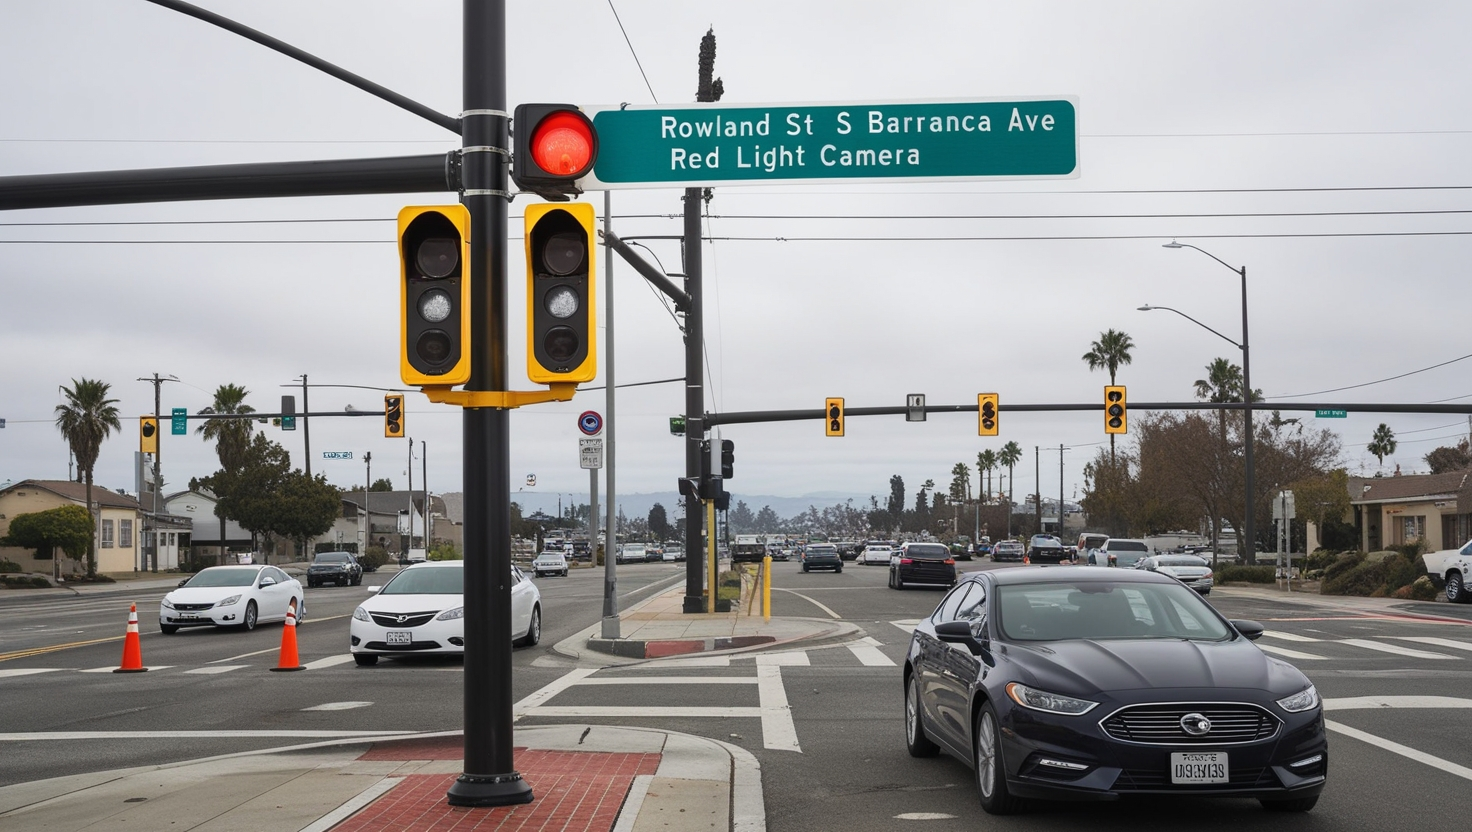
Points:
point(421, 610)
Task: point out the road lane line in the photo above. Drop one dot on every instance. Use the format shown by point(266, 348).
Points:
point(819, 604)
point(1405, 751)
point(1348, 703)
point(908, 625)
point(26, 671)
point(46, 736)
point(778, 732)
point(110, 668)
point(1395, 649)
point(670, 680)
point(869, 655)
point(1289, 654)
point(649, 711)
point(330, 661)
point(38, 651)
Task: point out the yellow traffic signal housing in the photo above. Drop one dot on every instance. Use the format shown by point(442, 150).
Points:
point(833, 417)
point(148, 434)
point(393, 416)
point(987, 414)
point(560, 315)
point(434, 294)
point(1116, 409)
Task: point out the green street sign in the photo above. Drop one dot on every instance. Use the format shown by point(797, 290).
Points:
point(677, 425)
point(180, 422)
point(717, 144)
point(1331, 414)
point(288, 423)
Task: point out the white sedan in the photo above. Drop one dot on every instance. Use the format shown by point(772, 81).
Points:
point(231, 596)
point(875, 554)
point(421, 610)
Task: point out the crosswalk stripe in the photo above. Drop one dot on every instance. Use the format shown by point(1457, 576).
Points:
point(26, 671)
point(330, 661)
point(1288, 636)
point(1289, 654)
point(694, 661)
point(215, 669)
point(1394, 648)
point(1437, 642)
point(908, 625)
point(791, 658)
point(869, 655)
point(110, 668)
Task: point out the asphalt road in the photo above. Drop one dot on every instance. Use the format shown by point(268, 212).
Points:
point(823, 722)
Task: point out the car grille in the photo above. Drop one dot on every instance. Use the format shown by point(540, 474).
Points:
point(1150, 779)
point(192, 607)
point(402, 648)
point(407, 619)
point(1161, 724)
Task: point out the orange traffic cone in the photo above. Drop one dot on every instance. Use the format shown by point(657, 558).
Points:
point(1026, 559)
point(289, 660)
point(132, 649)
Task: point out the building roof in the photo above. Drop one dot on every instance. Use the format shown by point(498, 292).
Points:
point(1365, 490)
point(77, 492)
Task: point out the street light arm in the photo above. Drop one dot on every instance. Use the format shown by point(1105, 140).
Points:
point(1174, 244)
point(1148, 308)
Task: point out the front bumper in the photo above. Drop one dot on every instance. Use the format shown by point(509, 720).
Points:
point(215, 616)
point(432, 637)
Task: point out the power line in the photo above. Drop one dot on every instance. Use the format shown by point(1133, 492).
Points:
point(1380, 381)
point(637, 63)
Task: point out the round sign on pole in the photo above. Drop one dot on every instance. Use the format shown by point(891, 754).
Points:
point(590, 423)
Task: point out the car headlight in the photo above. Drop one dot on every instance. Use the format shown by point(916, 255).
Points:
point(451, 615)
point(361, 614)
point(1304, 700)
point(166, 604)
point(228, 601)
point(1053, 703)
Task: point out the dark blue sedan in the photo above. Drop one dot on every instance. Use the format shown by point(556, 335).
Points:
point(1092, 683)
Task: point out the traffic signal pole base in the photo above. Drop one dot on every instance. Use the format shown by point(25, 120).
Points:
point(611, 627)
point(489, 790)
point(694, 604)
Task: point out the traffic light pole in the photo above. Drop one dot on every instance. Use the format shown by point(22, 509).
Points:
point(694, 400)
point(490, 777)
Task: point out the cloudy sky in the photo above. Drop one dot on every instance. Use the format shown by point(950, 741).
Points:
point(1317, 143)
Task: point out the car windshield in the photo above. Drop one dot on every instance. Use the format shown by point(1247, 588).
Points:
point(1060, 611)
point(224, 577)
point(332, 557)
point(439, 580)
point(1127, 546)
point(822, 550)
point(1179, 560)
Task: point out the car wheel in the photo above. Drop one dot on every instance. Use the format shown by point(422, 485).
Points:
point(899, 581)
point(312, 584)
point(1456, 591)
point(249, 620)
point(891, 579)
point(534, 631)
point(916, 742)
point(168, 629)
point(301, 610)
point(1292, 804)
point(358, 580)
point(991, 774)
point(365, 659)
point(838, 569)
point(804, 567)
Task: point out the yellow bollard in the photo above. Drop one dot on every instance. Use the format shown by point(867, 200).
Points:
point(767, 588)
point(710, 536)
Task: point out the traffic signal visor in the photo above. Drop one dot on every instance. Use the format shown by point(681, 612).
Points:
point(434, 294)
point(148, 435)
point(393, 416)
point(833, 417)
point(554, 146)
point(561, 319)
point(1116, 409)
point(988, 417)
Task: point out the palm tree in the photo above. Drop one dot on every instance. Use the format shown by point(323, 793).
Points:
point(986, 462)
point(1382, 444)
point(1111, 350)
point(85, 419)
point(231, 436)
point(1010, 455)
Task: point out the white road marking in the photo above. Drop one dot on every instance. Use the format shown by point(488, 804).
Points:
point(246, 655)
point(778, 731)
point(338, 706)
point(556, 686)
point(1437, 642)
point(924, 816)
point(186, 735)
point(330, 661)
point(1288, 654)
point(790, 658)
point(908, 625)
point(214, 669)
point(869, 655)
point(111, 668)
point(813, 601)
point(695, 661)
point(1396, 649)
point(1348, 703)
point(1405, 751)
point(650, 711)
point(1288, 636)
point(27, 671)
point(669, 680)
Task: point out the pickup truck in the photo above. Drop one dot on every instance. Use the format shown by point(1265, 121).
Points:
point(1454, 566)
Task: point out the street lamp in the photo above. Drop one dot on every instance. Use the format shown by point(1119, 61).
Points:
point(1248, 524)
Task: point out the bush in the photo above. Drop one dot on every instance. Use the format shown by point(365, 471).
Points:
point(1319, 560)
point(375, 557)
point(1247, 574)
point(8, 566)
point(444, 551)
point(1421, 589)
point(1364, 578)
point(9, 581)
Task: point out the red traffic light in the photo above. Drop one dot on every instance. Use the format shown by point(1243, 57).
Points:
point(554, 146)
point(562, 143)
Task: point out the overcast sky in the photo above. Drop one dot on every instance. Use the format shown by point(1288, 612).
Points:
point(1318, 144)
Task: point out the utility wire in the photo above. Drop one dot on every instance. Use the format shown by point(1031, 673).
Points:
point(1380, 381)
point(632, 52)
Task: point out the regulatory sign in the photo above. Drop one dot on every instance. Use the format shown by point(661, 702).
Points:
point(590, 423)
point(1331, 414)
point(721, 144)
point(590, 453)
point(337, 454)
point(915, 407)
point(180, 421)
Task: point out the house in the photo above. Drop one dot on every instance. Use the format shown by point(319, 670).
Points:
point(197, 509)
point(119, 544)
point(389, 516)
point(1390, 511)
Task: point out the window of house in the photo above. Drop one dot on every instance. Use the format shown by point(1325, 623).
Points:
point(106, 542)
point(1412, 528)
point(125, 534)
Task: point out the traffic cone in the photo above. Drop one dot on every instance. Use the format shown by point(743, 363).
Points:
point(132, 649)
point(289, 660)
point(1026, 559)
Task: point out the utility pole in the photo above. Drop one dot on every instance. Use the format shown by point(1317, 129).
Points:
point(1037, 486)
point(306, 429)
point(409, 541)
point(152, 538)
point(367, 515)
point(1060, 492)
point(424, 483)
point(610, 628)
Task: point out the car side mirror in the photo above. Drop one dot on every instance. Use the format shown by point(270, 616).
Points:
point(373, 590)
point(265, 582)
point(183, 582)
point(1250, 630)
point(959, 632)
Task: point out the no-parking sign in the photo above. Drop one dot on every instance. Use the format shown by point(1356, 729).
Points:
point(590, 423)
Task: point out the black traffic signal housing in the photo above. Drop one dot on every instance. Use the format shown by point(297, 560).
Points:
point(728, 459)
point(148, 434)
point(434, 294)
point(553, 146)
point(988, 415)
point(560, 314)
point(833, 416)
point(1116, 409)
point(393, 416)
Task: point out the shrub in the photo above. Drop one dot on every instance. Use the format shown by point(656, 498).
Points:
point(1319, 560)
point(1421, 589)
point(375, 557)
point(10, 581)
point(8, 566)
point(1345, 562)
point(1246, 574)
point(444, 551)
point(1364, 577)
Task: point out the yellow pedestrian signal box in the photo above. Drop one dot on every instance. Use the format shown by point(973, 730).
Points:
point(987, 415)
point(1116, 415)
point(393, 416)
point(560, 319)
point(833, 417)
point(434, 295)
point(148, 435)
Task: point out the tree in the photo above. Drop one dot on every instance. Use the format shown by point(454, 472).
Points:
point(896, 503)
point(659, 522)
point(382, 484)
point(85, 419)
point(68, 528)
point(960, 483)
point(986, 462)
point(740, 519)
point(1446, 459)
point(1111, 350)
point(231, 437)
point(247, 494)
point(1382, 443)
point(1010, 455)
point(767, 520)
point(305, 507)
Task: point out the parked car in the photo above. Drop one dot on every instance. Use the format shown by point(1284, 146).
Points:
point(1007, 550)
point(921, 563)
point(673, 554)
point(341, 568)
point(632, 553)
point(1190, 570)
point(421, 610)
point(1454, 568)
point(231, 596)
point(1045, 548)
point(875, 553)
point(550, 563)
point(821, 556)
point(1078, 684)
point(1122, 552)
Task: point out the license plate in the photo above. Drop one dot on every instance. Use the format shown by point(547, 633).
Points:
point(187, 617)
point(400, 638)
point(1191, 768)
